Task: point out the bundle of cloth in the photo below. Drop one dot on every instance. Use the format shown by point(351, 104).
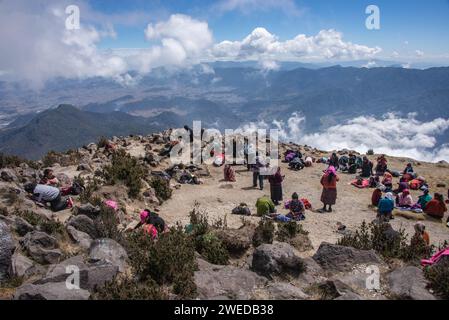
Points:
point(361, 183)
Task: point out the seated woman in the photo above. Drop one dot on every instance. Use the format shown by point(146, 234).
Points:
point(421, 235)
point(308, 162)
point(296, 208)
point(436, 207)
point(404, 199)
point(49, 178)
point(367, 168)
point(408, 169)
point(386, 207)
point(377, 195)
point(424, 199)
point(381, 167)
point(229, 173)
point(387, 181)
point(44, 194)
point(402, 186)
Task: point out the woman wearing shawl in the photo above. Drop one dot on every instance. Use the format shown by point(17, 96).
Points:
point(387, 181)
point(405, 199)
point(377, 195)
point(296, 208)
point(421, 236)
point(329, 194)
point(334, 161)
point(276, 186)
point(386, 206)
point(424, 199)
point(436, 207)
point(229, 173)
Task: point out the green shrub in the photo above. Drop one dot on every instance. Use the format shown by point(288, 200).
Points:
point(30, 217)
point(207, 244)
point(168, 261)
point(7, 161)
point(264, 233)
point(107, 224)
point(52, 227)
point(289, 230)
point(129, 289)
point(90, 187)
point(51, 158)
point(125, 168)
point(438, 277)
point(381, 238)
point(103, 142)
point(161, 187)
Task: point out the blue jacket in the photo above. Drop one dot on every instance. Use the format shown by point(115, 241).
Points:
point(385, 205)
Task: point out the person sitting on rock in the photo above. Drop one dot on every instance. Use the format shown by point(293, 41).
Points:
point(404, 199)
point(44, 194)
point(367, 168)
point(297, 208)
point(385, 207)
point(49, 178)
point(436, 207)
point(265, 206)
point(229, 173)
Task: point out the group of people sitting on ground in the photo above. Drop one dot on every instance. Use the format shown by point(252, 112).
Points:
point(296, 160)
point(402, 198)
point(151, 223)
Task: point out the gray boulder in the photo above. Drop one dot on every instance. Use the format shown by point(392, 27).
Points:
point(408, 283)
point(109, 251)
point(21, 226)
point(7, 247)
point(22, 266)
point(41, 247)
point(341, 258)
point(90, 275)
point(8, 175)
point(226, 282)
point(80, 238)
point(88, 210)
point(285, 291)
point(50, 291)
point(85, 224)
point(277, 259)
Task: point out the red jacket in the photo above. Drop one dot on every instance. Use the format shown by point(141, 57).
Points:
point(435, 208)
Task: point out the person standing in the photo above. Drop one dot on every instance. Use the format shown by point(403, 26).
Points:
point(276, 186)
point(257, 176)
point(329, 194)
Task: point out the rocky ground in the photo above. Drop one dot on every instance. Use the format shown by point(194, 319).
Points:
point(33, 258)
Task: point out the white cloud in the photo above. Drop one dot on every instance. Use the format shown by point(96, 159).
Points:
point(392, 135)
point(419, 53)
point(261, 44)
point(370, 64)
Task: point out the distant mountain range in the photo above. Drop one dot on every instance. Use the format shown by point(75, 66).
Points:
point(221, 95)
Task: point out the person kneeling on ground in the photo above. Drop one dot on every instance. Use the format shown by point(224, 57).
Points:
point(386, 207)
point(436, 207)
point(265, 206)
point(229, 173)
point(152, 223)
point(421, 235)
point(43, 194)
point(297, 208)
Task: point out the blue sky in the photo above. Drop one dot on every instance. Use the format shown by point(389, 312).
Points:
point(406, 25)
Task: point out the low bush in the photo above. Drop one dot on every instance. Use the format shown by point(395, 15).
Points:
point(206, 243)
point(107, 224)
point(264, 233)
point(438, 277)
point(129, 289)
point(126, 169)
point(389, 243)
point(162, 188)
point(7, 161)
point(289, 230)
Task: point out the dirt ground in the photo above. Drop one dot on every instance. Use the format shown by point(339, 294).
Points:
point(218, 198)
